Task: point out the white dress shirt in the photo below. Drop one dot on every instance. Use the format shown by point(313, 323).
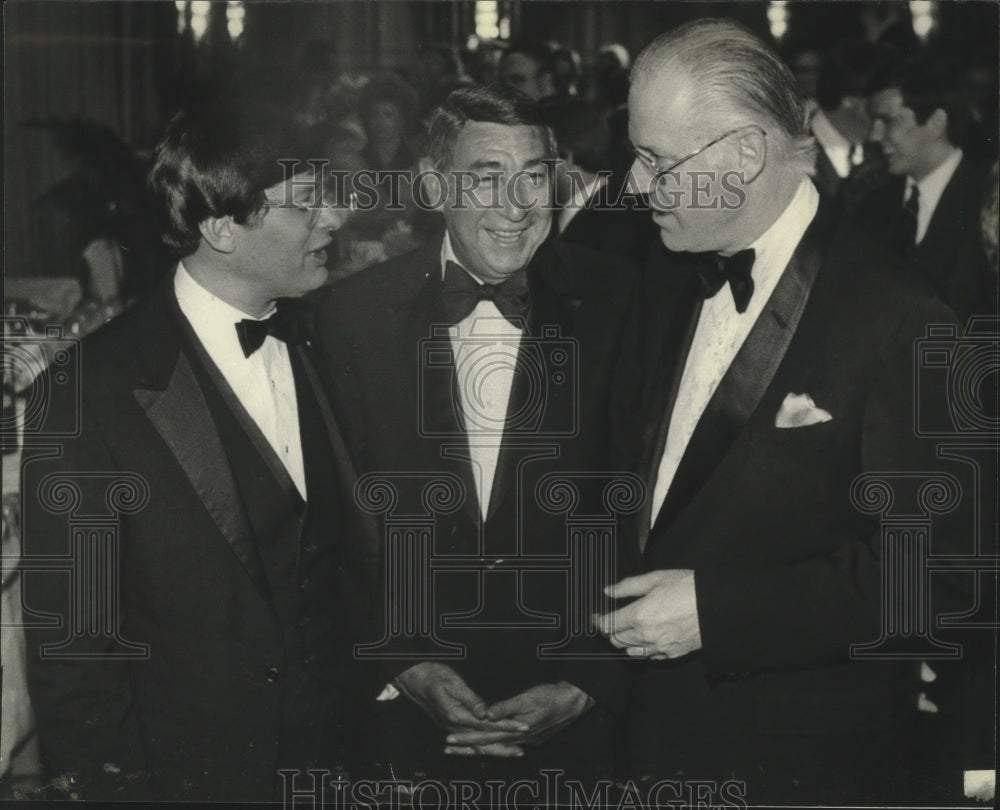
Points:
point(721, 331)
point(837, 148)
point(485, 346)
point(263, 382)
point(931, 188)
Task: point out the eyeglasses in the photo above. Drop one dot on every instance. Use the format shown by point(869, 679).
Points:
point(652, 160)
point(314, 210)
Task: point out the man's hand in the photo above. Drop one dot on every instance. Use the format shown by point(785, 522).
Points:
point(543, 710)
point(662, 623)
point(453, 706)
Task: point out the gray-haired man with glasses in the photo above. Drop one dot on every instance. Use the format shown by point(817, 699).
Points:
point(759, 405)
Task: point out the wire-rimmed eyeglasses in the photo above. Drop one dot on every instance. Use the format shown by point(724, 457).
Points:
point(652, 161)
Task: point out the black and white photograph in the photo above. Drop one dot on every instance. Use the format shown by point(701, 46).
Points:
point(529, 403)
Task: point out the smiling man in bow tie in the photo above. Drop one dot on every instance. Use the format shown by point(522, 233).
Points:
point(214, 648)
point(483, 361)
point(775, 351)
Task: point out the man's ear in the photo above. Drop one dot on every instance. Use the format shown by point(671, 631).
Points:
point(219, 233)
point(937, 122)
point(433, 190)
point(753, 153)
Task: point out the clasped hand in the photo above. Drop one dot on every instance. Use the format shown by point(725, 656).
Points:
point(500, 730)
point(662, 623)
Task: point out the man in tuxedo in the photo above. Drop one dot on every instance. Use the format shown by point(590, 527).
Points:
point(929, 212)
point(846, 167)
point(203, 641)
point(775, 354)
point(482, 363)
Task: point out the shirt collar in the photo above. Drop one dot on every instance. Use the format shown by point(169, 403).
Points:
point(932, 186)
point(774, 247)
point(448, 255)
point(213, 320)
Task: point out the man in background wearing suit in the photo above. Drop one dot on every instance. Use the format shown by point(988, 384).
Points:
point(846, 167)
point(776, 353)
point(216, 648)
point(930, 210)
point(485, 360)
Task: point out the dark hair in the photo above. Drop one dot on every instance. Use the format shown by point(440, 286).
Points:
point(580, 129)
point(845, 70)
point(494, 104)
point(542, 56)
point(927, 83)
point(389, 87)
point(217, 160)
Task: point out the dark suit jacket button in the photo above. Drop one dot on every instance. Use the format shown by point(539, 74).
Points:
point(304, 583)
point(303, 622)
point(309, 660)
point(309, 548)
point(272, 674)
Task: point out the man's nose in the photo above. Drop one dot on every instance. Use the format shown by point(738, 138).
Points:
point(511, 207)
point(331, 217)
point(642, 177)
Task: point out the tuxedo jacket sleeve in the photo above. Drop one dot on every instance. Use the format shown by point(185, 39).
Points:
point(83, 706)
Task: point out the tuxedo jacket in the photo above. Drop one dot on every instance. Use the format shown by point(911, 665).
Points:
point(217, 648)
point(391, 368)
point(613, 222)
point(847, 193)
point(787, 570)
point(950, 257)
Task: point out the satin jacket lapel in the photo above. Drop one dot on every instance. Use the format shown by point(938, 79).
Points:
point(346, 469)
point(675, 304)
point(751, 371)
point(549, 310)
point(437, 397)
point(179, 412)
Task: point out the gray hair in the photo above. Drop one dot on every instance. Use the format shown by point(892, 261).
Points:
point(735, 71)
point(494, 104)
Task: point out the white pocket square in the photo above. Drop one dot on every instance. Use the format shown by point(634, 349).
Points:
point(799, 410)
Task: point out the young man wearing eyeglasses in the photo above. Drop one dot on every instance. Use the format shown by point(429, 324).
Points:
point(215, 649)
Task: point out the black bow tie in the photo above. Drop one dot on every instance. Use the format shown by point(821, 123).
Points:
point(460, 293)
point(253, 333)
point(716, 270)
